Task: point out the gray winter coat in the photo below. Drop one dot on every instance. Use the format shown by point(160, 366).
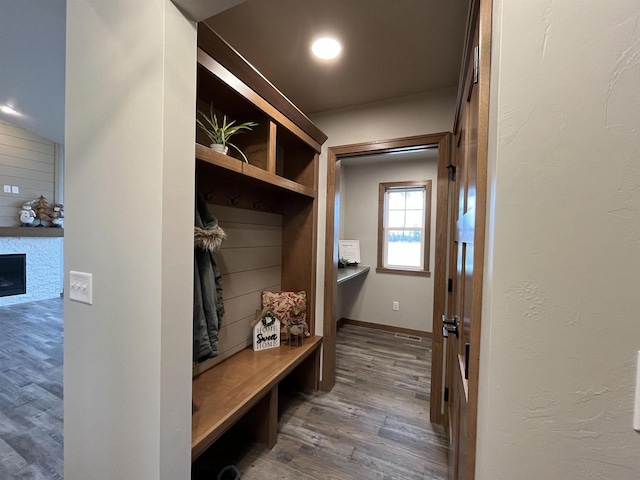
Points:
point(208, 307)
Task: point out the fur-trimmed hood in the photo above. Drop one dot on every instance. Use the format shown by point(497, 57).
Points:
point(208, 238)
point(207, 233)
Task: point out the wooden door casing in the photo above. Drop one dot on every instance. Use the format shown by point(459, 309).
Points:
point(467, 235)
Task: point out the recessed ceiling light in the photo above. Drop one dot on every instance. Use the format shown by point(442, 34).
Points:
point(326, 48)
point(8, 110)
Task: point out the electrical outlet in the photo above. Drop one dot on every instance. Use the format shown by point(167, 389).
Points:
point(7, 189)
point(396, 306)
point(636, 406)
point(81, 287)
point(15, 189)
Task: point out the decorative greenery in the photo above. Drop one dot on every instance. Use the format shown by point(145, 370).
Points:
point(296, 310)
point(268, 319)
point(221, 134)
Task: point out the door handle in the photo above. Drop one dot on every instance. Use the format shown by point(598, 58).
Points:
point(450, 326)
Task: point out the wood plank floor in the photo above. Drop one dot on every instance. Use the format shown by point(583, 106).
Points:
point(373, 425)
point(31, 444)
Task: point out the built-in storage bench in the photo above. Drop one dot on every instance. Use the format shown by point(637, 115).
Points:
point(241, 386)
point(247, 384)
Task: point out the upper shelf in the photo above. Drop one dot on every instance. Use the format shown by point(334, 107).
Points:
point(233, 165)
point(211, 45)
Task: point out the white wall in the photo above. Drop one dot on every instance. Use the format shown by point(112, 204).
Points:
point(416, 115)
point(561, 306)
point(369, 298)
point(129, 133)
point(32, 35)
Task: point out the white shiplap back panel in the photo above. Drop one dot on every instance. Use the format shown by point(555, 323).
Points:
point(250, 261)
point(242, 283)
point(27, 161)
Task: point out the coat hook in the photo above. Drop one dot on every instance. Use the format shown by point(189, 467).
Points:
point(208, 196)
point(256, 204)
point(235, 201)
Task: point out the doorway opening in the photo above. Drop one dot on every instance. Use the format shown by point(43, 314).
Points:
point(441, 142)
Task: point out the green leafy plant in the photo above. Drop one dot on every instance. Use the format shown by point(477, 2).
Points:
point(221, 133)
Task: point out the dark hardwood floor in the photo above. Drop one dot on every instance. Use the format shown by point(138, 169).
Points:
point(373, 425)
point(31, 444)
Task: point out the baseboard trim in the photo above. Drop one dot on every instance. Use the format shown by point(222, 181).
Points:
point(388, 328)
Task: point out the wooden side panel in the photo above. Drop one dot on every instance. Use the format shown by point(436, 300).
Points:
point(28, 162)
point(298, 257)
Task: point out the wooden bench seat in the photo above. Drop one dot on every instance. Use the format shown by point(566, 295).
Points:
point(248, 381)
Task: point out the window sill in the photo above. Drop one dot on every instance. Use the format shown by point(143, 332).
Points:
point(401, 271)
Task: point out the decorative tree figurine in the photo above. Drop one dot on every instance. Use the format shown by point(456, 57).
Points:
point(43, 210)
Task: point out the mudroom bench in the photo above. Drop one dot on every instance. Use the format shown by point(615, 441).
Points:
point(246, 385)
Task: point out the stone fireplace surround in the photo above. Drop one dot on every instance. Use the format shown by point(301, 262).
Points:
point(44, 262)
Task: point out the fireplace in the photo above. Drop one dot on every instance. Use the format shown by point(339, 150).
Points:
point(13, 274)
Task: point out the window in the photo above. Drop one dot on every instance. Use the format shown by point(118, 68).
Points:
point(404, 223)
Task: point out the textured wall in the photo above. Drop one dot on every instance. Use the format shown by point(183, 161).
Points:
point(44, 274)
point(561, 308)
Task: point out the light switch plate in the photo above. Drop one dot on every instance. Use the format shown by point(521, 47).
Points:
point(15, 189)
point(81, 287)
point(7, 189)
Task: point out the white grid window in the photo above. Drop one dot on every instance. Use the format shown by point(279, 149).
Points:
point(404, 230)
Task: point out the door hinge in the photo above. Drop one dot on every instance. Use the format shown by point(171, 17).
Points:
point(446, 394)
point(476, 63)
point(450, 285)
point(452, 172)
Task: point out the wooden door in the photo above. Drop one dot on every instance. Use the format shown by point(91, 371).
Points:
point(467, 245)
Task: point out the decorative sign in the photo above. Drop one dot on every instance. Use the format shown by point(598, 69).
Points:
point(266, 332)
point(349, 250)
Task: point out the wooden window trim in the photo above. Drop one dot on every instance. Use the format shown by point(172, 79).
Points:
point(382, 189)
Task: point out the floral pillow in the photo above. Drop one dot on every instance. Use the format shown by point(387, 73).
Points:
point(291, 310)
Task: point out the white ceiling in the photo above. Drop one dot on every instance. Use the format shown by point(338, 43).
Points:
point(32, 60)
point(391, 48)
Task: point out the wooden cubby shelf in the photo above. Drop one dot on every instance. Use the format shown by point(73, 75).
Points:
point(270, 199)
point(231, 164)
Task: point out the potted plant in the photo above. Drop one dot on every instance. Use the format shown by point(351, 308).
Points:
point(219, 134)
point(297, 327)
